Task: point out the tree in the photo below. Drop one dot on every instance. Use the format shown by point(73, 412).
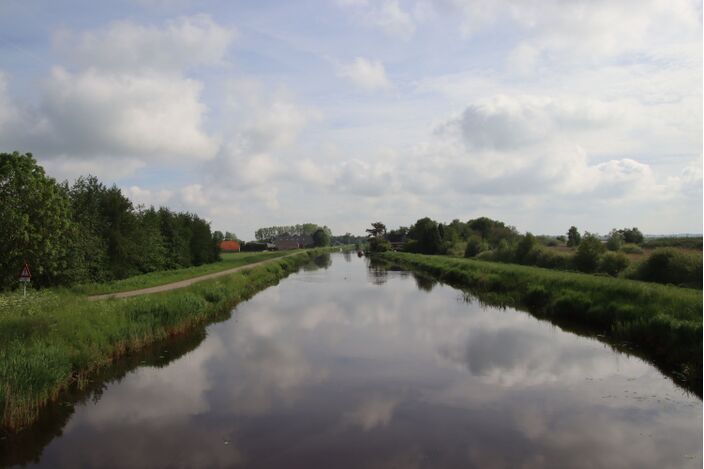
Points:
point(378, 229)
point(614, 241)
point(632, 235)
point(482, 226)
point(573, 237)
point(613, 263)
point(379, 244)
point(426, 235)
point(587, 257)
point(229, 236)
point(525, 246)
point(475, 245)
point(321, 238)
point(218, 236)
point(36, 217)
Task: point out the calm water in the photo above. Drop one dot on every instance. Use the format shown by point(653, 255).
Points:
point(345, 366)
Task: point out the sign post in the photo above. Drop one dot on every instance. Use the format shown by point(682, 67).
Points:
point(25, 277)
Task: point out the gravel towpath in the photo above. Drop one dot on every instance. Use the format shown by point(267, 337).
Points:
point(182, 283)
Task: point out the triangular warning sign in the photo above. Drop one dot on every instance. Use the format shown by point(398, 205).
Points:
point(25, 272)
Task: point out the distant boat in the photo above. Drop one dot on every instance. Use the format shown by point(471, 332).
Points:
point(360, 253)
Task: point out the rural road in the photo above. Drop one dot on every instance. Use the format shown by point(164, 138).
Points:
point(183, 283)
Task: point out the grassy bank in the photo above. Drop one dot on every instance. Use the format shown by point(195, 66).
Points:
point(54, 339)
point(663, 323)
point(162, 277)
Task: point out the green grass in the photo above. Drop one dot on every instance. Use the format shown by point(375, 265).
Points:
point(54, 339)
point(662, 323)
point(162, 277)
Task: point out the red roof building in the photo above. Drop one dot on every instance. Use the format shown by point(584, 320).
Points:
point(229, 246)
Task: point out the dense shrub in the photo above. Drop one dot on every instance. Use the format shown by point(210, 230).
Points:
point(687, 242)
point(613, 263)
point(587, 257)
point(550, 259)
point(427, 236)
point(525, 250)
point(669, 265)
point(379, 244)
point(474, 246)
point(614, 241)
point(88, 232)
point(630, 248)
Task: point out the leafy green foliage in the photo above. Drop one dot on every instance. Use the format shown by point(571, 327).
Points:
point(525, 248)
point(631, 235)
point(668, 265)
point(686, 242)
point(88, 232)
point(36, 219)
point(587, 257)
point(573, 237)
point(614, 241)
point(321, 238)
point(272, 232)
point(475, 245)
point(426, 235)
point(631, 249)
point(613, 263)
point(379, 244)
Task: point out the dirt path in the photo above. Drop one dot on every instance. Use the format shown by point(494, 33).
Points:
point(183, 283)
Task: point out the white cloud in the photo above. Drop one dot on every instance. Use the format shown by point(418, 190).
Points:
point(147, 116)
point(193, 195)
point(366, 74)
point(387, 15)
point(147, 197)
point(128, 46)
point(126, 99)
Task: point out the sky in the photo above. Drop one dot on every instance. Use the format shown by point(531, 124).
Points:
point(540, 113)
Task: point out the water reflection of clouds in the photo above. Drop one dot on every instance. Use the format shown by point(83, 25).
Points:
point(437, 381)
point(372, 413)
point(154, 389)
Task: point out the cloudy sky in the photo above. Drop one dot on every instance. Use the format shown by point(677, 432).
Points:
point(541, 113)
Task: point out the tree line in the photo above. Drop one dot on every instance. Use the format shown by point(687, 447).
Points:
point(272, 232)
point(493, 240)
point(87, 231)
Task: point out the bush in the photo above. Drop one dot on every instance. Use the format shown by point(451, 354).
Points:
point(537, 296)
point(504, 252)
point(525, 248)
point(379, 245)
point(613, 263)
point(668, 265)
point(615, 241)
point(474, 246)
point(630, 248)
point(549, 259)
point(427, 236)
point(587, 257)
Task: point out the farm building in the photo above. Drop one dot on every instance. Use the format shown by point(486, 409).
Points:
point(285, 242)
point(229, 246)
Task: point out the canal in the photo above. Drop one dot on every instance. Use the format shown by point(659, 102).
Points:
point(343, 365)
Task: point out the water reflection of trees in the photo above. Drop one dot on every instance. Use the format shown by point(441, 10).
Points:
point(321, 261)
point(377, 271)
point(347, 255)
point(424, 282)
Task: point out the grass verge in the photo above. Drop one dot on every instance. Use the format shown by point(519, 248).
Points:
point(162, 277)
point(55, 339)
point(661, 323)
